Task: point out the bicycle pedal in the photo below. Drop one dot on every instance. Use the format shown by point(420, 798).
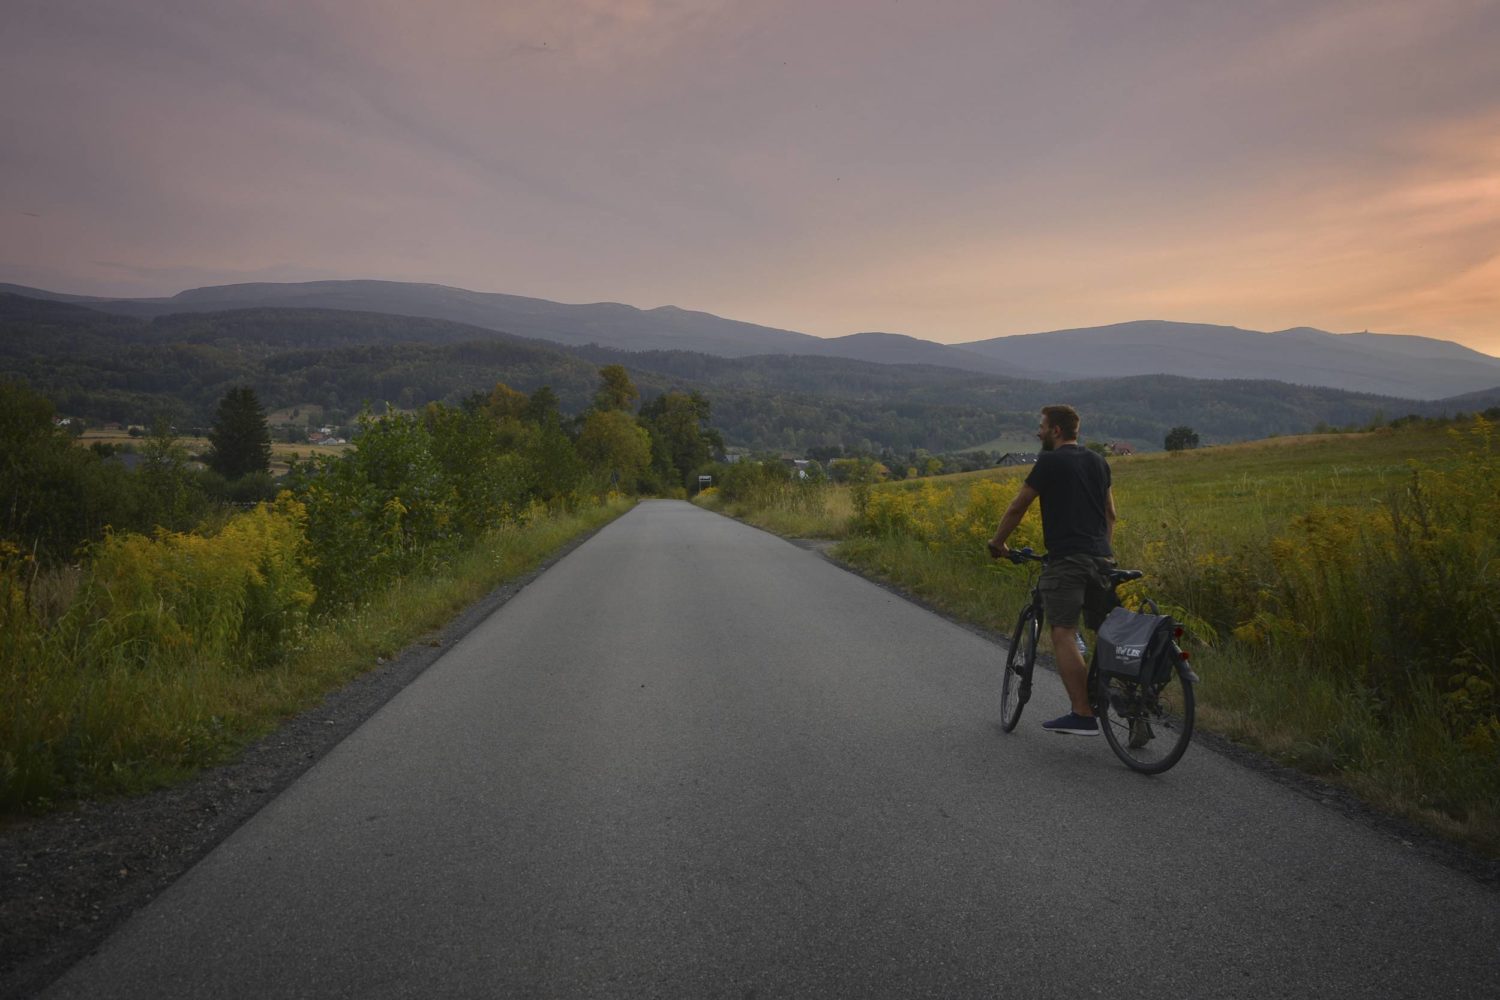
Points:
point(1140, 733)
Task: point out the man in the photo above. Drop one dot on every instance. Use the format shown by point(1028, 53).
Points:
point(1078, 527)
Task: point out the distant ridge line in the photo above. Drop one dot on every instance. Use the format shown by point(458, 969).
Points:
point(1401, 365)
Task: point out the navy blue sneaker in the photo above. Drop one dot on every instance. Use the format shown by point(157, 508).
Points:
point(1073, 724)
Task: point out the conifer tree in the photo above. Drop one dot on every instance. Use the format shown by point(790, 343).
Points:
point(240, 438)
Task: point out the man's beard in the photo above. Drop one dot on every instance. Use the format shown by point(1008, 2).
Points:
point(1047, 444)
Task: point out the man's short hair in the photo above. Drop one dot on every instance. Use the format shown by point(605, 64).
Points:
point(1064, 418)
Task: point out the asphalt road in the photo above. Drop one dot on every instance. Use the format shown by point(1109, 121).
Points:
point(693, 760)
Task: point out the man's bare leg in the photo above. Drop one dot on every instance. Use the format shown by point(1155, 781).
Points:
point(1070, 665)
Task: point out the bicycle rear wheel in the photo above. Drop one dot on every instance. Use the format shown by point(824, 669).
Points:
point(1147, 726)
point(1020, 659)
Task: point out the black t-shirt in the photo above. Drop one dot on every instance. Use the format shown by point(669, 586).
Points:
point(1073, 483)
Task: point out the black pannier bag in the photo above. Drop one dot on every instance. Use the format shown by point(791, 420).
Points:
point(1137, 646)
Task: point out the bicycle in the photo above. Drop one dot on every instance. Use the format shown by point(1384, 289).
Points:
point(1147, 725)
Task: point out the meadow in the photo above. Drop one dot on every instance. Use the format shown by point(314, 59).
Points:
point(283, 454)
point(1341, 591)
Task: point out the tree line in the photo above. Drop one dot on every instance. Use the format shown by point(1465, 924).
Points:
point(411, 485)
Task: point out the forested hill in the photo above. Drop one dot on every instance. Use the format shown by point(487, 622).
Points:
point(110, 367)
point(261, 327)
point(915, 406)
point(1400, 365)
point(597, 322)
point(103, 366)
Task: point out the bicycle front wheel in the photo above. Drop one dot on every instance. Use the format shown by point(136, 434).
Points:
point(1015, 686)
point(1147, 726)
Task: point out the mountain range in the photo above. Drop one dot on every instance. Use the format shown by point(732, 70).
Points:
point(105, 366)
point(1402, 366)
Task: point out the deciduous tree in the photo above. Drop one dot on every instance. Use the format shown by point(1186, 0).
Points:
point(682, 441)
point(1181, 438)
point(615, 446)
point(505, 403)
point(543, 407)
point(53, 495)
point(616, 391)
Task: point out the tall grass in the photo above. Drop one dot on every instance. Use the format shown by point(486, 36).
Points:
point(770, 497)
point(169, 653)
point(1342, 591)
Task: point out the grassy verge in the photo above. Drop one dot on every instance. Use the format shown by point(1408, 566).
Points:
point(1340, 590)
point(81, 722)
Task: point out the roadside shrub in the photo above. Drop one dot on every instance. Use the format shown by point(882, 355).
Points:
point(396, 456)
point(118, 681)
point(381, 509)
point(972, 525)
point(413, 490)
point(26, 668)
point(935, 516)
point(754, 484)
point(352, 553)
point(488, 476)
point(240, 595)
point(889, 513)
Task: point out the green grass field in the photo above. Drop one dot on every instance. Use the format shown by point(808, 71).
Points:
point(282, 452)
point(1275, 477)
point(1012, 442)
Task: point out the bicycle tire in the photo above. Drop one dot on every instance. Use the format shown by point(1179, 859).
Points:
point(1124, 707)
point(1020, 660)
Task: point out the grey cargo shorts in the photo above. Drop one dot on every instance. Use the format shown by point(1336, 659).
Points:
point(1071, 584)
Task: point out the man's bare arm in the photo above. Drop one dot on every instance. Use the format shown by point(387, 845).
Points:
point(1009, 520)
point(1109, 516)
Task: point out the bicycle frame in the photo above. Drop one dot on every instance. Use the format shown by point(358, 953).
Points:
point(1117, 704)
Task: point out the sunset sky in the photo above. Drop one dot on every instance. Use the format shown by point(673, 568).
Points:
point(948, 169)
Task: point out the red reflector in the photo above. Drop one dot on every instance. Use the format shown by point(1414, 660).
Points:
point(1178, 632)
point(1184, 654)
